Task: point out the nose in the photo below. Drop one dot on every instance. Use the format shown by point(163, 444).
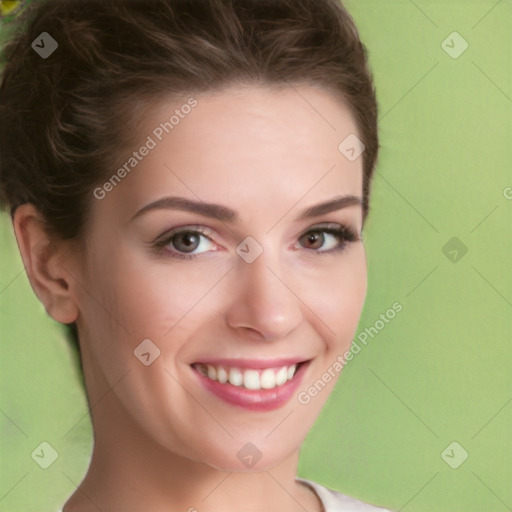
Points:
point(263, 305)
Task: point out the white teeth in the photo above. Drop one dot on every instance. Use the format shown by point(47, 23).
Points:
point(235, 377)
point(268, 379)
point(249, 378)
point(222, 375)
point(282, 376)
point(212, 372)
point(252, 379)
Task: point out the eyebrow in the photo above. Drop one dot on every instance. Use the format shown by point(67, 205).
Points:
point(225, 214)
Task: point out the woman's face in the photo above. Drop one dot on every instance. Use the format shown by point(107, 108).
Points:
point(229, 246)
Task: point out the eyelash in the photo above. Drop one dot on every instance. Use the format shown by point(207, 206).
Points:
point(344, 233)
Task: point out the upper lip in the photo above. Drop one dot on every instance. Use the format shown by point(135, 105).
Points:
point(252, 363)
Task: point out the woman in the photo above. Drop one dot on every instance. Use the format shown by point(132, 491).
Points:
point(188, 183)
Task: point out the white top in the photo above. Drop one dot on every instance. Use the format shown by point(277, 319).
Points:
point(333, 501)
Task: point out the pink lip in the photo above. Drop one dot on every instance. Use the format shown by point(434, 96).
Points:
point(260, 400)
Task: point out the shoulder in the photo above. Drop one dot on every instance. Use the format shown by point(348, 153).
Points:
point(334, 501)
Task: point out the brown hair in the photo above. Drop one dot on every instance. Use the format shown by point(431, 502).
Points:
point(64, 117)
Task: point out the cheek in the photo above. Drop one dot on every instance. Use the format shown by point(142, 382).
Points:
point(134, 297)
point(338, 300)
point(164, 295)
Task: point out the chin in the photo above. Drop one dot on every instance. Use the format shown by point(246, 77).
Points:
point(247, 457)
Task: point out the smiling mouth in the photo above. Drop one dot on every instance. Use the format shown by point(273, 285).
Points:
point(252, 384)
point(249, 378)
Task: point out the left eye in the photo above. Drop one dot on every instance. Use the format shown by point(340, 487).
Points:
point(319, 240)
point(327, 239)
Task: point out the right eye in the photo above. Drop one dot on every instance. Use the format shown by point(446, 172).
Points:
point(186, 243)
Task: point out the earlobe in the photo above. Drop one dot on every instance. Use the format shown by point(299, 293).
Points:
point(45, 262)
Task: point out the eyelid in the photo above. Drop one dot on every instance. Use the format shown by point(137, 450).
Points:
point(335, 226)
point(163, 239)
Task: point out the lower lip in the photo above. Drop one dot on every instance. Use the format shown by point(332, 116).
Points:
point(254, 400)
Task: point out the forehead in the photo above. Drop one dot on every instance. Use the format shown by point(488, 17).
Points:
point(244, 147)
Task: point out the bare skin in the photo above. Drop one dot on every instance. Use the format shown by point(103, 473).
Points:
point(161, 440)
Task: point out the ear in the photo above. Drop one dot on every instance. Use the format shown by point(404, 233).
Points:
point(46, 261)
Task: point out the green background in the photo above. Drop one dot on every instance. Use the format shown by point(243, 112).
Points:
point(438, 372)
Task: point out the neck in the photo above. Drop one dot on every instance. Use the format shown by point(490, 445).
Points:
point(131, 472)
